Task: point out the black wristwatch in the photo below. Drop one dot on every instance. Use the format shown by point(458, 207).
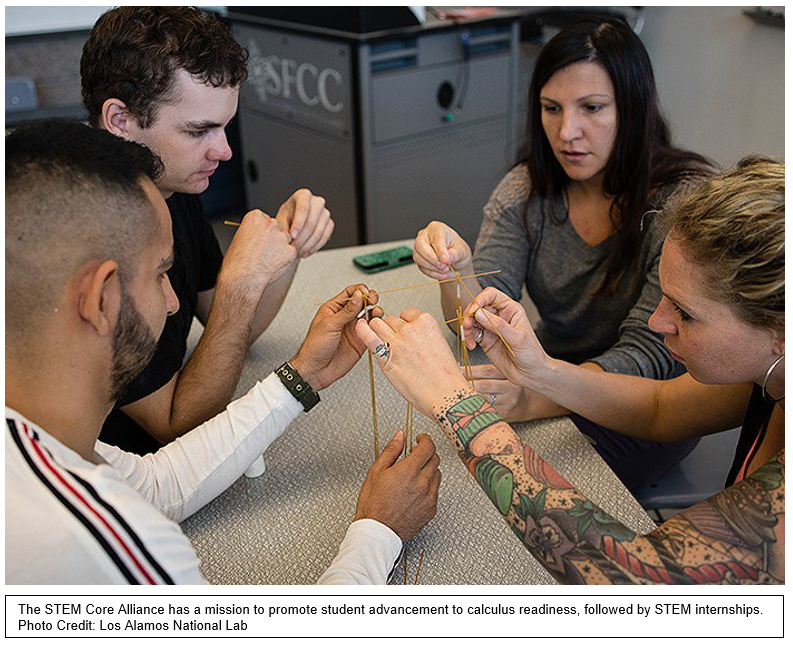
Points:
point(298, 386)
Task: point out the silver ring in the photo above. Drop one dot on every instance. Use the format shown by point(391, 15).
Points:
point(382, 351)
point(492, 399)
point(479, 335)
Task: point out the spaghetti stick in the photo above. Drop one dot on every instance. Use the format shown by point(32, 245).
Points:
point(459, 338)
point(434, 282)
point(462, 354)
point(457, 318)
point(412, 410)
point(374, 408)
point(469, 374)
point(371, 386)
point(231, 224)
point(503, 340)
point(408, 429)
point(418, 569)
point(466, 361)
point(405, 446)
point(410, 450)
point(459, 323)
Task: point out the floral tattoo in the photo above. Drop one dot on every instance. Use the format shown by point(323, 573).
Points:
point(736, 537)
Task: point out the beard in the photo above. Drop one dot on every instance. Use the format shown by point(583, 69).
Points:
point(134, 345)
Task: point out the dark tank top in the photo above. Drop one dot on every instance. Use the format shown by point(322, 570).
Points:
point(755, 424)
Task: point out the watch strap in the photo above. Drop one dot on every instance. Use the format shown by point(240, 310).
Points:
point(297, 386)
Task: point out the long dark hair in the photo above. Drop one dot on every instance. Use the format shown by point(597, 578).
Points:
point(643, 159)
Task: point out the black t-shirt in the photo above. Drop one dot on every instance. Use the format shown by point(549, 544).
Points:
point(197, 260)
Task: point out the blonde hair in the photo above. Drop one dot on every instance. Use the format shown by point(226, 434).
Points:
point(733, 227)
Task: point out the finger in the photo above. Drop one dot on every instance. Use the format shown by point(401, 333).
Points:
point(351, 292)
point(422, 452)
point(430, 270)
point(431, 465)
point(423, 249)
point(420, 257)
point(487, 371)
point(494, 300)
point(436, 484)
point(391, 452)
point(425, 258)
point(303, 234)
point(489, 296)
point(410, 314)
point(320, 224)
point(252, 219)
point(457, 255)
point(301, 211)
point(421, 320)
point(352, 308)
point(315, 231)
point(439, 237)
point(498, 326)
point(491, 386)
point(323, 238)
point(394, 322)
point(485, 304)
point(255, 214)
point(383, 329)
point(474, 333)
point(372, 296)
point(367, 335)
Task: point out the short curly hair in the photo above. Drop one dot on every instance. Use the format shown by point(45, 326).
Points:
point(133, 53)
point(733, 227)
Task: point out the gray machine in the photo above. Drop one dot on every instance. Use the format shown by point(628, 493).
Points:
point(394, 127)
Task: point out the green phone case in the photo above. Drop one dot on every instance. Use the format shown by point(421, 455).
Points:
point(371, 263)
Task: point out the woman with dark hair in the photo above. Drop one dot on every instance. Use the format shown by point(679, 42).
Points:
point(573, 222)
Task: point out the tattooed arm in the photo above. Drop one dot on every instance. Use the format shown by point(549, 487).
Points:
point(736, 537)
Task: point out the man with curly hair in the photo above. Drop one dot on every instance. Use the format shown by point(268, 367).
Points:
point(169, 78)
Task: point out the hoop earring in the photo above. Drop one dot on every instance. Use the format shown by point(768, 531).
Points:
point(766, 396)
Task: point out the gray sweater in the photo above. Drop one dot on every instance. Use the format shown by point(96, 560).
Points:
point(561, 272)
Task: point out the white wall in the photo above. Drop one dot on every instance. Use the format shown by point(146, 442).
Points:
point(721, 79)
point(38, 20)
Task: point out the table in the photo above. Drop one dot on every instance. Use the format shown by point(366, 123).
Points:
point(285, 526)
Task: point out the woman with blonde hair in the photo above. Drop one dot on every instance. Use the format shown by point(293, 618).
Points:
point(722, 314)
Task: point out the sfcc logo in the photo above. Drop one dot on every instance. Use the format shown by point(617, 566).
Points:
point(273, 76)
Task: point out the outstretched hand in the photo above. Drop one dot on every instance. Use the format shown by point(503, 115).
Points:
point(332, 347)
point(493, 318)
point(419, 363)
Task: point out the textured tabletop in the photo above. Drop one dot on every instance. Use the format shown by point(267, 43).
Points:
point(285, 526)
